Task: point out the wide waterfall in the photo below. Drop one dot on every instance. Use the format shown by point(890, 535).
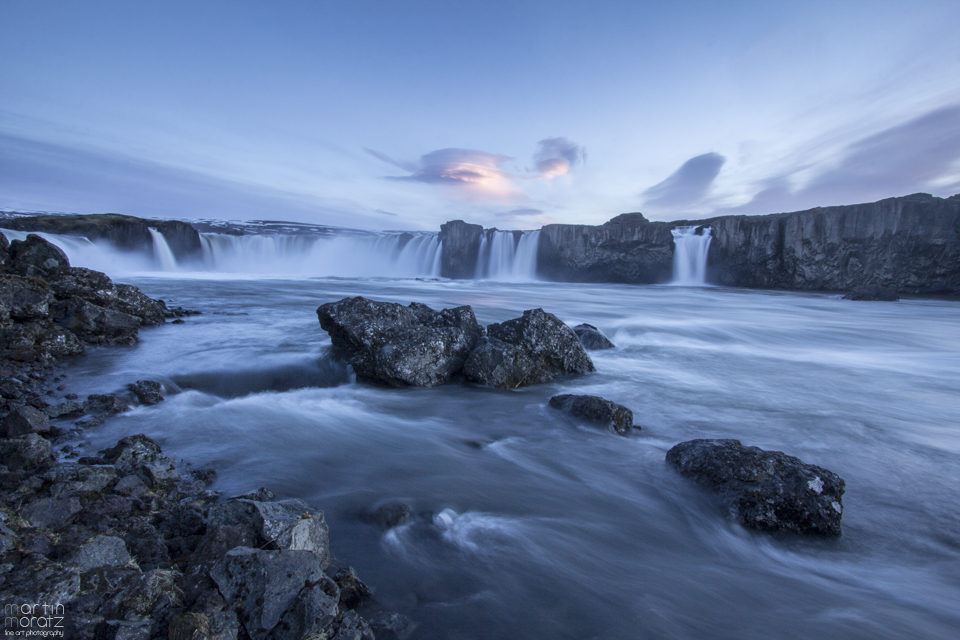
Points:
point(690, 255)
point(351, 254)
point(506, 257)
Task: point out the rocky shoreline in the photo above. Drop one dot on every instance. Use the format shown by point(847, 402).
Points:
point(126, 544)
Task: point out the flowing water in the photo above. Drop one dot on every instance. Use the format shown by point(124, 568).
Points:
point(532, 525)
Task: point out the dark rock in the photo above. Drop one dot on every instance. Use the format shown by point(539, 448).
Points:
point(350, 626)
point(23, 420)
point(95, 324)
point(131, 486)
point(400, 346)
point(461, 246)
point(25, 452)
point(260, 495)
point(132, 301)
point(147, 391)
point(353, 592)
point(531, 349)
point(104, 403)
point(140, 455)
point(596, 409)
point(591, 338)
point(875, 293)
point(64, 409)
point(390, 625)
point(288, 524)
point(101, 551)
point(389, 515)
point(265, 587)
point(50, 513)
point(35, 257)
point(766, 490)
point(24, 298)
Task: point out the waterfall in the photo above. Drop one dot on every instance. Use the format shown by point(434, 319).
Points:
point(690, 255)
point(162, 252)
point(504, 258)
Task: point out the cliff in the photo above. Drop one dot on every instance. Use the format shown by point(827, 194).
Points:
point(125, 232)
point(910, 244)
point(461, 246)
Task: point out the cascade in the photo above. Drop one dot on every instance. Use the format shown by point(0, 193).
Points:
point(690, 255)
point(162, 252)
point(503, 258)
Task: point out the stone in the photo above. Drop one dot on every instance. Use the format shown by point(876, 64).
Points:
point(264, 587)
point(390, 625)
point(765, 490)
point(24, 298)
point(531, 349)
point(23, 420)
point(400, 346)
point(140, 455)
point(25, 452)
point(102, 403)
point(35, 257)
point(64, 409)
point(873, 293)
point(591, 338)
point(95, 324)
point(101, 551)
point(131, 486)
point(353, 592)
point(147, 391)
point(351, 626)
point(389, 515)
point(597, 410)
point(50, 513)
point(288, 524)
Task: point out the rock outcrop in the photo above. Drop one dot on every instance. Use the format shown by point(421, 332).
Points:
point(461, 247)
point(597, 410)
point(389, 343)
point(124, 232)
point(400, 346)
point(532, 349)
point(628, 248)
point(765, 490)
point(591, 338)
point(909, 244)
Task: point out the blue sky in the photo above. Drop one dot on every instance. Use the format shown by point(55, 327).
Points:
point(402, 115)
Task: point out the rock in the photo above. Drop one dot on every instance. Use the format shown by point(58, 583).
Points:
point(95, 324)
point(140, 455)
point(147, 391)
point(35, 257)
point(400, 346)
point(65, 408)
point(265, 587)
point(24, 298)
point(596, 409)
point(288, 524)
point(102, 403)
point(25, 452)
point(133, 301)
point(101, 551)
point(461, 247)
point(351, 626)
point(874, 293)
point(353, 592)
point(23, 420)
point(766, 490)
point(591, 338)
point(389, 515)
point(390, 625)
point(131, 486)
point(50, 513)
point(531, 349)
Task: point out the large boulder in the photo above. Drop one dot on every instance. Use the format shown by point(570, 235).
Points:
point(531, 349)
point(35, 257)
point(23, 299)
point(591, 338)
point(597, 410)
point(400, 346)
point(766, 490)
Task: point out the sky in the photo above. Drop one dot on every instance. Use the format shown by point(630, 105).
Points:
point(403, 115)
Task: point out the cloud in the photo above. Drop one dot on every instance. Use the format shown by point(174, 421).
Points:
point(687, 185)
point(383, 212)
point(478, 176)
point(922, 154)
point(513, 213)
point(556, 156)
point(524, 217)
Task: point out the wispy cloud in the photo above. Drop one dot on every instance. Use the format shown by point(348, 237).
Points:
point(686, 186)
point(479, 176)
point(922, 154)
point(556, 156)
point(384, 212)
point(524, 217)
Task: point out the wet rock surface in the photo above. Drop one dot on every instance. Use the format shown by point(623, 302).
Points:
point(765, 490)
point(873, 293)
point(400, 346)
point(591, 338)
point(597, 410)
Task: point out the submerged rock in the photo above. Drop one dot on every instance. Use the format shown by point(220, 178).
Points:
point(596, 409)
point(591, 338)
point(531, 349)
point(766, 490)
point(147, 391)
point(400, 346)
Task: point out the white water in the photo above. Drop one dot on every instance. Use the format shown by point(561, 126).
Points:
point(162, 252)
point(504, 259)
point(690, 256)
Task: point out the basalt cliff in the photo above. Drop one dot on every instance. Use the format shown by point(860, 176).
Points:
point(909, 244)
